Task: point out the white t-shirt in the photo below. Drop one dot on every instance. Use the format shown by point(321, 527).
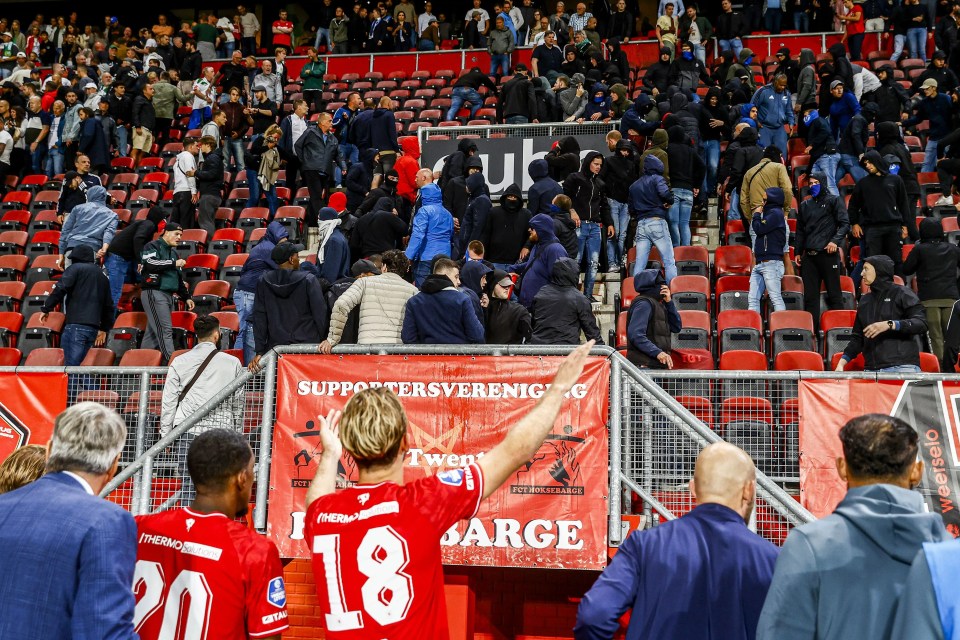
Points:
point(205, 87)
point(482, 22)
point(694, 34)
point(186, 161)
point(54, 136)
point(7, 141)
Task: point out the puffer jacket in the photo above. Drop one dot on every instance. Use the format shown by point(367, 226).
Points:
point(91, 223)
point(619, 171)
point(432, 227)
point(544, 188)
point(536, 270)
point(382, 301)
point(259, 261)
point(586, 191)
point(505, 230)
point(887, 301)
point(650, 193)
point(935, 262)
point(560, 311)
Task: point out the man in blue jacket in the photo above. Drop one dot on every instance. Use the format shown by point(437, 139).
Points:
point(770, 228)
point(928, 608)
point(704, 575)
point(937, 109)
point(441, 314)
point(432, 231)
point(774, 110)
point(843, 575)
point(333, 254)
point(537, 269)
point(544, 189)
point(650, 199)
point(92, 223)
point(651, 319)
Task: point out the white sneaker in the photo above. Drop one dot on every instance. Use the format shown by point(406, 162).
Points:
point(944, 200)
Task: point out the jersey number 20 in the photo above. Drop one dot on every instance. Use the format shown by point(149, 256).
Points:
point(381, 557)
point(149, 576)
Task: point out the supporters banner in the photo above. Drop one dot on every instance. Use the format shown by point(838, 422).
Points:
point(552, 513)
point(28, 404)
point(931, 407)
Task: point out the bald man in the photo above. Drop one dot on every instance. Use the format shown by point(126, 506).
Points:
point(704, 575)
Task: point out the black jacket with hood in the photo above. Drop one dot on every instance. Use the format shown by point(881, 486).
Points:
point(747, 156)
point(378, 231)
point(657, 75)
point(505, 230)
point(821, 220)
point(935, 261)
point(881, 199)
point(544, 188)
point(129, 243)
point(619, 172)
point(88, 290)
point(358, 179)
point(289, 308)
point(478, 208)
point(689, 116)
point(650, 321)
point(887, 301)
point(454, 191)
point(588, 193)
point(455, 164)
point(565, 229)
point(686, 167)
point(505, 321)
point(565, 159)
point(889, 142)
point(842, 68)
point(560, 311)
point(891, 98)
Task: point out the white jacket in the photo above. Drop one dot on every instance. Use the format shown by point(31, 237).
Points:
point(220, 372)
point(382, 301)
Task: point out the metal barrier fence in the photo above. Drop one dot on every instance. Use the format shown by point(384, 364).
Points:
point(554, 130)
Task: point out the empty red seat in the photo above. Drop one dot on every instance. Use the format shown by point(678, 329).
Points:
point(44, 357)
point(98, 357)
point(739, 330)
point(9, 357)
point(691, 292)
point(732, 260)
point(798, 361)
point(210, 296)
point(141, 358)
point(791, 331)
point(732, 292)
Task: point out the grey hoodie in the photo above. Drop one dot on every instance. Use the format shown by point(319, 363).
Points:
point(807, 78)
point(92, 223)
point(841, 577)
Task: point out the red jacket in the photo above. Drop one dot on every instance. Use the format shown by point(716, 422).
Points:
point(407, 166)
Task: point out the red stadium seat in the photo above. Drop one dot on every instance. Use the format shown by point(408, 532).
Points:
point(44, 357)
point(141, 358)
point(732, 292)
point(210, 296)
point(9, 357)
point(732, 260)
point(98, 357)
point(696, 331)
point(12, 267)
point(929, 363)
point(739, 330)
point(835, 331)
point(791, 331)
point(691, 292)
point(798, 361)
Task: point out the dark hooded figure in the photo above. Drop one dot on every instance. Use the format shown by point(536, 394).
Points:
point(478, 208)
point(822, 226)
point(747, 156)
point(890, 143)
point(536, 270)
point(889, 321)
point(455, 194)
point(618, 58)
point(387, 189)
point(559, 310)
point(734, 92)
point(505, 321)
point(505, 229)
point(440, 313)
point(842, 68)
point(544, 188)
point(891, 98)
point(587, 192)
point(788, 67)
point(471, 276)
point(651, 319)
point(688, 115)
point(656, 78)
point(564, 158)
point(686, 174)
point(935, 261)
point(720, 71)
point(634, 120)
point(359, 178)
point(806, 77)
point(378, 231)
point(598, 106)
point(455, 164)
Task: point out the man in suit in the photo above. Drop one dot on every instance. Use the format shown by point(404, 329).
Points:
point(68, 560)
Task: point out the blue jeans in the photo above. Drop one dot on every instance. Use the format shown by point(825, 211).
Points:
point(711, 158)
point(501, 60)
point(827, 164)
point(771, 20)
point(122, 143)
point(700, 53)
point(229, 48)
point(253, 186)
point(766, 275)
point(801, 21)
point(930, 156)
point(776, 136)
point(420, 272)
point(588, 243)
point(654, 231)
point(38, 159)
point(735, 45)
point(75, 341)
point(54, 162)
point(901, 368)
point(620, 212)
point(462, 95)
point(517, 120)
point(917, 42)
point(351, 155)
point(898, 42)
point(199, 117)
point(244, 302)
point(849, 164)
point(323, 35)
point(678, 217)
point(233, 148)
point(734, 212)
point(426, 45)
point(120, 272)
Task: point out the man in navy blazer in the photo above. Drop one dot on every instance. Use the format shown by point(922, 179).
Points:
point(68, 556)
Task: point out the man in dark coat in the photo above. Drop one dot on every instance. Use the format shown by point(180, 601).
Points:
point(651, 319)
point(506, 321)
point(505, 230)
point(92, 141)
point(537, 269)
point(440, 314)
point(544, 188)
point(560, 312)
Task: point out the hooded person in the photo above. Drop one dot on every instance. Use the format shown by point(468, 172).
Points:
point(651, 319)
point(688, 116)
point(719, 74)
point(505, 321)
point(788, 67)
point(123, 254)
point(890, 143)
point(891, 98)
point(661, 142)
point(618, 58)
point(745, 110)
point(358, 179)
point(258, 262)
point(598, 106)
point(935, 261)
point(821, 144)
point(656, 78)
point(564, 158)
point(741, 69)
point(687, 172)
point(853, 141)
point(650, 199)
point(479, 205)
point(440, 313)
point(455, 164)
point(895, 319)
point(505, 231)
point(635, 119)
point(454, 191)
point(747, 155)
point(92, 223)
point(386, 189)
point(806, 77)
point(770, 232)
point(620, 170)
point(333, 254)
point(378, 231)
point(407, 166)
point(544, 188)
point(822, 227)
point(559, 310)
point(619, 102)
point(586, 192)
point(432, 231)
point(687, 71)
point(536, 270)
point(842, 68)
point(471, 277)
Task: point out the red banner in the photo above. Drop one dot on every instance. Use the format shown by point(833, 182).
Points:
point(930, 407)
point(28, 404)
point(552, 513)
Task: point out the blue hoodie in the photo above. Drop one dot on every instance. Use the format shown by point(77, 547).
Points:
point(648, 283)
point(635, 117)
point(478, 208)
point(650, 192)
point(259, 261)
point(536, 271)
point(92, 223)
point(432, 227)
point(544, 189)
point(771, 228)
point(773, 109)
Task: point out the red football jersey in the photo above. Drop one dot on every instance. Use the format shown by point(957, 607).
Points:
point(204, 576)
point(376, 554)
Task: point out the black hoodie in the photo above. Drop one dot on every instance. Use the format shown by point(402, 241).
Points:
point(455, 164)
point(821, 220)
point(686, 167)
point(378, 231)
point(560, 311)
point(358, 179)
point(887, 301)
point(657, 75)
point(842, 68)
point(880, 199)
point(506, 228)
point(88, 289)
point(747, 156)
point(587, 192)
point(619, 172)
point(565, 159)
point(889, 142)
point(505, 321)
point(289, 308)
point(935, 261)
point(455, 194)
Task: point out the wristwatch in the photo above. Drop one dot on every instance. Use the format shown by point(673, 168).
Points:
point(890, 324)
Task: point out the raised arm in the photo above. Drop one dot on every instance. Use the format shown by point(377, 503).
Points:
point(325, 480)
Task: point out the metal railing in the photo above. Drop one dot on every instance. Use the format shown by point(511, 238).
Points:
point(554, 130)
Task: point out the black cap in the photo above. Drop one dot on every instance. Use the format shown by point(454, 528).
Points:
point(520, 67)
point(361, 267)
point(284, 251)
point(939, 55)
point(171, 226)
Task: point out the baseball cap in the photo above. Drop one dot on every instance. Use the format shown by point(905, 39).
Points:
point(150, 43)
point(929, 83)
point(21, 54)
point(361, 267)
point(173, 226)
point(259, 87)
point(283, 251)
point(835, 84)
point(6, 33)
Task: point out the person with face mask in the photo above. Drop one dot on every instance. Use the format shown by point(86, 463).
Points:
point(598, 106)
point(687, 71)
point(853, 142)
point(657, 76)
point(822, 226)
point(505, 228)
point(822, 147)
point(505, 321)
point(935, 261)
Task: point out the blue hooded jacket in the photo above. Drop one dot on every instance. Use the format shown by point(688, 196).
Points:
point(650, 192)
point(538, 267)
point(440, 314)
point(648, 283)
point(432, 227)
point(91, 223)
point(335, 249)
point(635, 117)
point(770, 226)
point(259, 261)
point(544, 189)
point(478, 208)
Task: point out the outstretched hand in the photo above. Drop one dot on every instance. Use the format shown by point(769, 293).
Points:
point(571, 367)
point(330, 434)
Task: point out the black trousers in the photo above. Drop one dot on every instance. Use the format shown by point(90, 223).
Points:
point(293, 170)
point(886, 241)
point(317, 183)
point(314, 98)
point(184, 210)
point(816, 269)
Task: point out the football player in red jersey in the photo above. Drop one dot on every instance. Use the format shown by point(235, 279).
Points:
point(200, 574)
point(376, 545)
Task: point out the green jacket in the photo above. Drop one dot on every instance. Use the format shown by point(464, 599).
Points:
point(312, 74)
point(167, 98)
point(338, 31)
point(159, 268)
